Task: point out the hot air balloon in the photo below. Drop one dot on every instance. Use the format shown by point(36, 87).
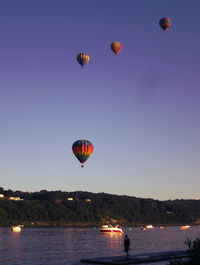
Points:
point(116, 47)
point(82, 149)
point(82, 59)
point(165, 23)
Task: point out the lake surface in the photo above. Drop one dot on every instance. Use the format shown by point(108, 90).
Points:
point(64, 246)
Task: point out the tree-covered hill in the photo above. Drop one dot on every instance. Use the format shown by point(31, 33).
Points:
point(85, 208)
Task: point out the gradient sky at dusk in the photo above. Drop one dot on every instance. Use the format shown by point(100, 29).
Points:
point(140, 109)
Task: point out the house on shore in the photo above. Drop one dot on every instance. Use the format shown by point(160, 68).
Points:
point(15, 199)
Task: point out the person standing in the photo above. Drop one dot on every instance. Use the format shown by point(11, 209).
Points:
point(126, 245)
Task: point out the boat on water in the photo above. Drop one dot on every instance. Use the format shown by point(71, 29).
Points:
point(111, 229)
point(16, 228)
point(184, 227)
point(149, 226)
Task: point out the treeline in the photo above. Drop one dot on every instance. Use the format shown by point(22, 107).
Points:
point(54, 208)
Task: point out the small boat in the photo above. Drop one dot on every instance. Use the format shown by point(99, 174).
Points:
point(184, 227)
point(111, 229)
point(149, 226)
point(16, 228)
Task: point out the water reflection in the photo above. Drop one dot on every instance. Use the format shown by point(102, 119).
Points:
point(113, 240)
point(64, 246)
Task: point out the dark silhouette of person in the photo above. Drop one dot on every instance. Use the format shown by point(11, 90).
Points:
point(126, 245)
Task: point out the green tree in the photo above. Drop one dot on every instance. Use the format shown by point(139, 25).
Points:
point(193, 254)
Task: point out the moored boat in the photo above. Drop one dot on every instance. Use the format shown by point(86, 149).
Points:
point(16, 228)
point(111, 229)
point(184, 227)
point(149, 226)
point(146, 227)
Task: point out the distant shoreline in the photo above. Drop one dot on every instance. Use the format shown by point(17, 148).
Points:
point(86, 209)
point(94, 226)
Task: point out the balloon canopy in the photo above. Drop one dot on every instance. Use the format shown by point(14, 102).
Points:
point(165, 23)
point(82, 149)
point(116, 47)
point(82, 59)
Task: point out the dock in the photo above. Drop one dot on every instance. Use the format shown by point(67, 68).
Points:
point(138, 258)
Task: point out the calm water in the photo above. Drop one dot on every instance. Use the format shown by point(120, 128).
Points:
point(68, 245)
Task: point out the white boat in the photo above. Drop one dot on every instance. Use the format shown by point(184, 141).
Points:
point(184, 227)
point(149, 226)
point(111, 229)
point(16, 228)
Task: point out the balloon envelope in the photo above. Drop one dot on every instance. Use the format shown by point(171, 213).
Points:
point(82, 59)
point(116, 47)
point(165, 23)
point(82, 149)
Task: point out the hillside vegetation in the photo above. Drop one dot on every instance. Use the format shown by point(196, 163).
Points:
point(93, 209)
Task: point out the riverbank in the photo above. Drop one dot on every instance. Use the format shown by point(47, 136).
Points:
point(93, 225)
point(89, 209)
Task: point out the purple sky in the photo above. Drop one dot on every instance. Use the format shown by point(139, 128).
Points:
point(140, 109)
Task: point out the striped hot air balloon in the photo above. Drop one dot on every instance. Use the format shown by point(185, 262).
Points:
point(82, 59)
point(165, 23)
point(116, 47)
point(82, 149)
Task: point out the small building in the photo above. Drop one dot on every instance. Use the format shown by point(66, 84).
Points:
point(1, 195)
point(70, 199)
point(15, 199)
point(87, 200)
point(169, 212)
